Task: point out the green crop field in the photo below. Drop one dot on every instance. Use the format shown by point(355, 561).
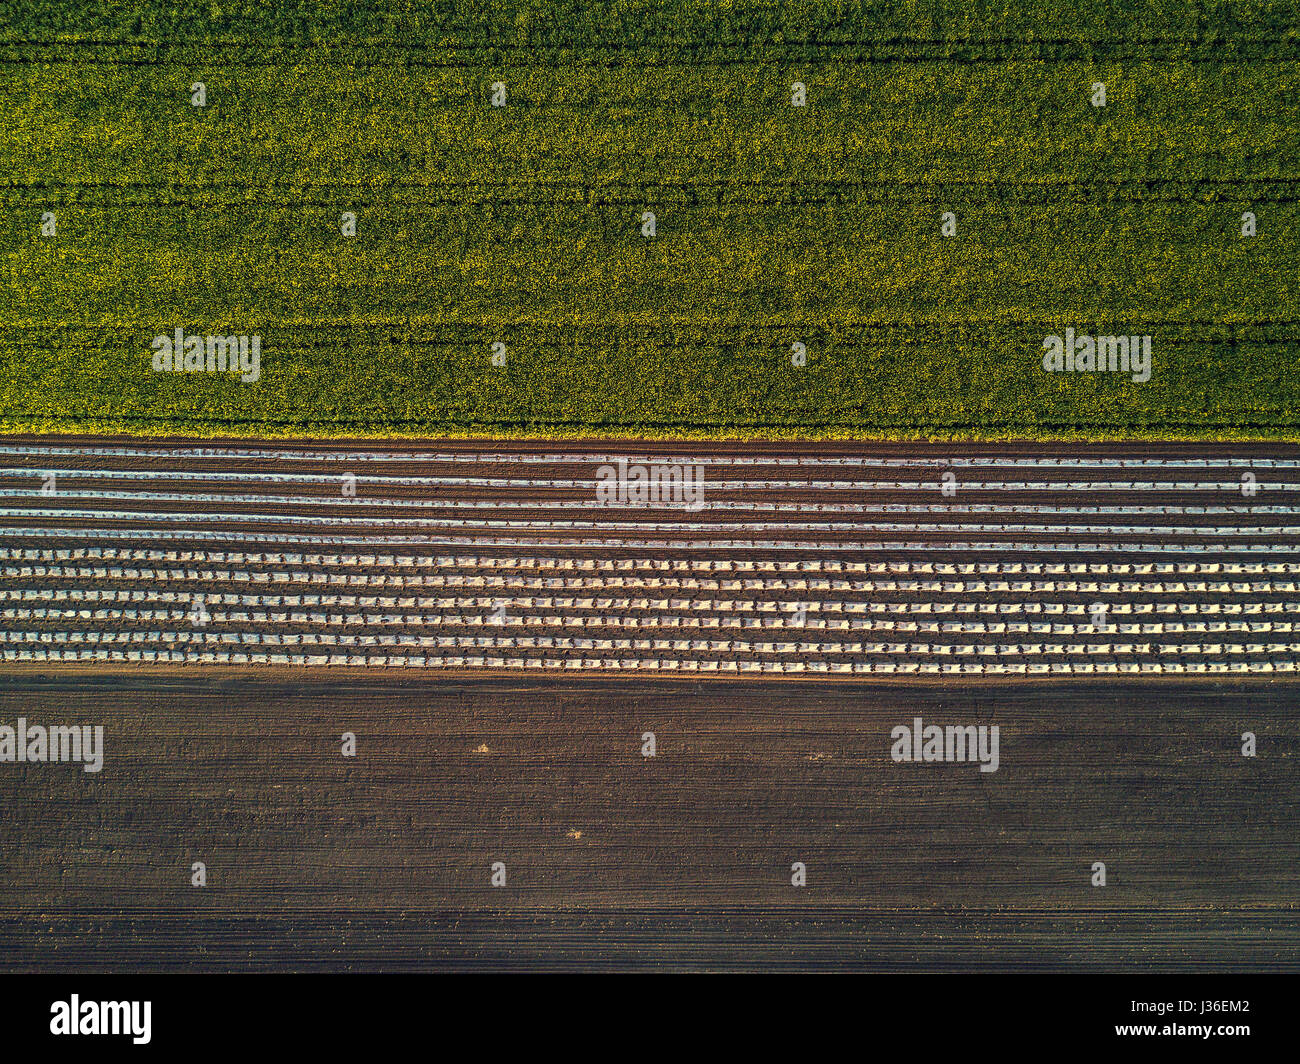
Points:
point(501, 162)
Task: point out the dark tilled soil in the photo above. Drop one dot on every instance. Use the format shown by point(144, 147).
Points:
point(615, 860)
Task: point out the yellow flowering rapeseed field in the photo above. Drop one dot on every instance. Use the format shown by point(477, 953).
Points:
point(648, 218)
